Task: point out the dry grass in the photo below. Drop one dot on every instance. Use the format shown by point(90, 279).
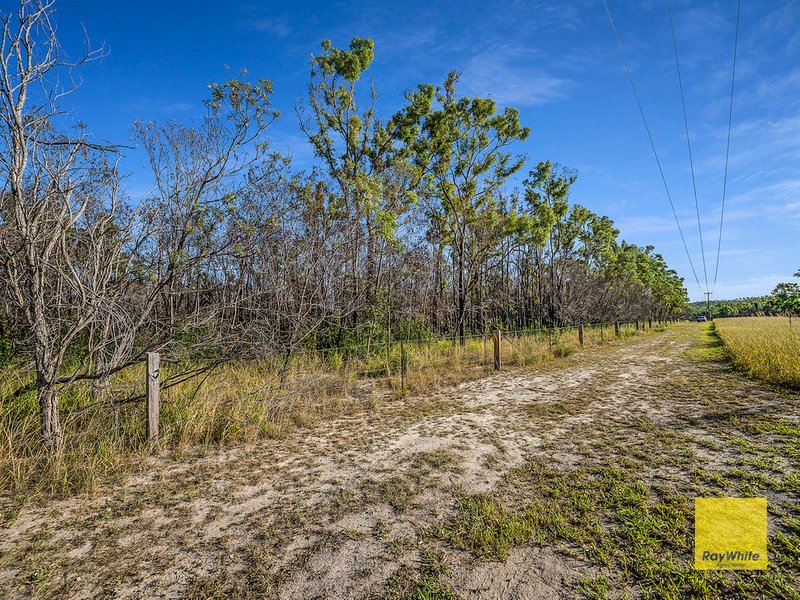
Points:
point(236, 403)
point(766, 348)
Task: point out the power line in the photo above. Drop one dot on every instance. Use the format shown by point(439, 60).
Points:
point(688, 140)
point(650, 138)
point(728, 147)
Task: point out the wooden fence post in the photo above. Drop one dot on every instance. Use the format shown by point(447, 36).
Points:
point(402, 366)
point(616, 328)
point(153, 368)
point(496, 340)
point(580, 333)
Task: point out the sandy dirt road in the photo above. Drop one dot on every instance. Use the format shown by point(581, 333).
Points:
point(351, 508)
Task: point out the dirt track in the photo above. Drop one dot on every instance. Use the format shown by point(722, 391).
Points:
point(345, 509)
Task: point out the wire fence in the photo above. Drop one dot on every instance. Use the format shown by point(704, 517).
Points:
point(401, 364)
point(397, 363)
point(231, 400)
point(376, 344)
point(411, 362)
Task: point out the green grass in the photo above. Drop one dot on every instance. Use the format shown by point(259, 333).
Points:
point(488, 529)
point(628, 507)
point(641, 532)
point(424, 584)
point(595, 587)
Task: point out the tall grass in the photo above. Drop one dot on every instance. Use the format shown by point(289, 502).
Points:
point(235, 403)
point(767, 348)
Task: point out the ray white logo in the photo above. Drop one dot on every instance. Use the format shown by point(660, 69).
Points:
point(731, 557)
point(730, 533)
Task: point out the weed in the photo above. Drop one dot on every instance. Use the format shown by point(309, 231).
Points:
point(380, 529)
point(424, 584)
point(595, 587)
point(397, 491)
point(487, 528)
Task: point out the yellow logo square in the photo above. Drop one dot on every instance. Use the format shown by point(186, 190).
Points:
point(730, 533)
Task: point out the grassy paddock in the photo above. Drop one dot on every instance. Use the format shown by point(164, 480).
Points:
point(766, 348)
point(237, 402)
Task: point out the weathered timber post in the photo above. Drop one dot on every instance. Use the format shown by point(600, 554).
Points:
point(580, 333)
point(402, 366)
point(153, 368)
point(616, 328)
point(388, 347)
point(496, 339)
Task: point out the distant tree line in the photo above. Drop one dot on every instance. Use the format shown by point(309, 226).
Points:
point(406, 228)
point(784, 300)
point(740, 307)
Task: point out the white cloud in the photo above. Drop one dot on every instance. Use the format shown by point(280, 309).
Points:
point(277, 26)
point(292, 144)
point(146, 107)
point(743, 288)
point(510, 80)
point(634, 226)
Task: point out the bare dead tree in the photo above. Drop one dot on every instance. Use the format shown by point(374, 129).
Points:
point(201, 172)
point(57, 253)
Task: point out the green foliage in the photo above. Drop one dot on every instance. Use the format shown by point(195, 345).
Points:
point(786, 297)
point(239, 100)
point(335, 336)
point(347, 64)
point(376, 185)
point(426, 584)
point(6, 350)
point(461, 147)
point(458, 150)
point(487, 529)
point(645, 271)
point(562, 350)
point(412, 328)
point(570, 237)
point(640, 533)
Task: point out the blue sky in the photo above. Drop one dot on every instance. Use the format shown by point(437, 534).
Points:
point(556, 61)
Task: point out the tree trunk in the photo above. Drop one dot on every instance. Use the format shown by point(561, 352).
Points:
point(462, 304)
point(47, 394)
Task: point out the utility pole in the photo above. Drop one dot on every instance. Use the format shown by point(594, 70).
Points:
point(708, 305)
